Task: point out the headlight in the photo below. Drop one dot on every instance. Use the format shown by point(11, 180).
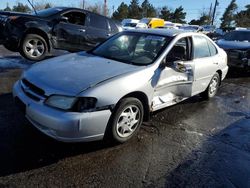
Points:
point(62, 102)
point(75, 104)
point(85, 103)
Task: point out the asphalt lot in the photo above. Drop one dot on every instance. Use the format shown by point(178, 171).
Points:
point(196, 143)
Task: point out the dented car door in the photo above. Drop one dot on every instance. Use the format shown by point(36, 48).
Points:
point(176, 75)
point(206, 63)
point(70, 32)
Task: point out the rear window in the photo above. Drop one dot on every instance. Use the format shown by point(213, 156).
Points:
point(98, 22)
point(201, 49)
point(113, 26)
point(212, 48)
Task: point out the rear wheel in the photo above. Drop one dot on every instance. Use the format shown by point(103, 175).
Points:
point(34, 47)
point(126, 120)
point(212, 87)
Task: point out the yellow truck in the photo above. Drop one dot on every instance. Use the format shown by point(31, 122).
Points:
point(152, 22)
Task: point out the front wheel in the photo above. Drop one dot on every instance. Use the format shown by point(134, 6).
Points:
point(34, 47)
point(126, 119)
point(212, 87)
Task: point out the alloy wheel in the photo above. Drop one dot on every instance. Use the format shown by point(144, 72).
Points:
point(128, 121)
point(34, 48)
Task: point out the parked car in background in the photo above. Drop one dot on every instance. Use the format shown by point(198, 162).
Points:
point(72, 29)
point(141, 25)
point(152, 22)
point(171, 25)
point(109, 90)
point(208, 29)
point(192, 28)
point(129, 23)
point(237, 45)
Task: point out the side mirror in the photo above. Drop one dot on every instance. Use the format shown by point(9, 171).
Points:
point(63, 19)
point(179, 65)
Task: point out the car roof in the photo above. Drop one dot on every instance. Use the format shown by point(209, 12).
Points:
point(163, 32)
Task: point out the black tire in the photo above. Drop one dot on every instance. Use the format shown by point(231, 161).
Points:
point(41, 46)
point(211, 92)
point(113, 131)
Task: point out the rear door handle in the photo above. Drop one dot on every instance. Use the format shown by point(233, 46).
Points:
point(82, 30)
point(216, 63)
point(109, 35)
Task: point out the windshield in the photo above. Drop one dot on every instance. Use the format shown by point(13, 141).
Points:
point(130, 24)
point(208, 27)
point(189, 28)
point(132, 48)
point(145, 20)
point(48, 12)
point(237, 36)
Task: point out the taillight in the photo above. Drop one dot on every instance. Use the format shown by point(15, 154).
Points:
point(13, 18)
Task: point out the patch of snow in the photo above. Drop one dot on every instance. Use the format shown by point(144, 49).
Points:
point(194, 132)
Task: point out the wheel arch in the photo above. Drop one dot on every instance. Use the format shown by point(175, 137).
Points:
point(40, 32)
point(220, 74)
point(144, 100)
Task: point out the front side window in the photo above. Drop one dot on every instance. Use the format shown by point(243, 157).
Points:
point(132, 48)
point(201, 48)
point(180, 51)
point(77, 18)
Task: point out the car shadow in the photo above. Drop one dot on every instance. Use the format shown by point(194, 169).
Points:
point(24, 148)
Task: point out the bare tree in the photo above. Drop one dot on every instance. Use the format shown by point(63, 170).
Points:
point(43, 5)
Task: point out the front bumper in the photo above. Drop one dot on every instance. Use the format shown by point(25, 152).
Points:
point(61, 125)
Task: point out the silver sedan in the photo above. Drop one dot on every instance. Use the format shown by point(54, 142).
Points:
point(109, 91)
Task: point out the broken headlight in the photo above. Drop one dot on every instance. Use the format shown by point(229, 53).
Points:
point(84, 104)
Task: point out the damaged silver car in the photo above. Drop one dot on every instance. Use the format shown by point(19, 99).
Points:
point(110, 90)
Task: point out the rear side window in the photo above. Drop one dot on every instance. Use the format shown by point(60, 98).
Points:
point(98, 22)
point(201, 48)
point(113, 27)
point(212, 48)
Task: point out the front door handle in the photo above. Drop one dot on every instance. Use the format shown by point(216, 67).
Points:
point(215, 63)
point(82, 30)
point(109, 35)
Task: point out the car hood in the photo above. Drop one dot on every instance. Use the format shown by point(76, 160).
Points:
point(6, 13)
point(233, 44)
point(73, 73)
